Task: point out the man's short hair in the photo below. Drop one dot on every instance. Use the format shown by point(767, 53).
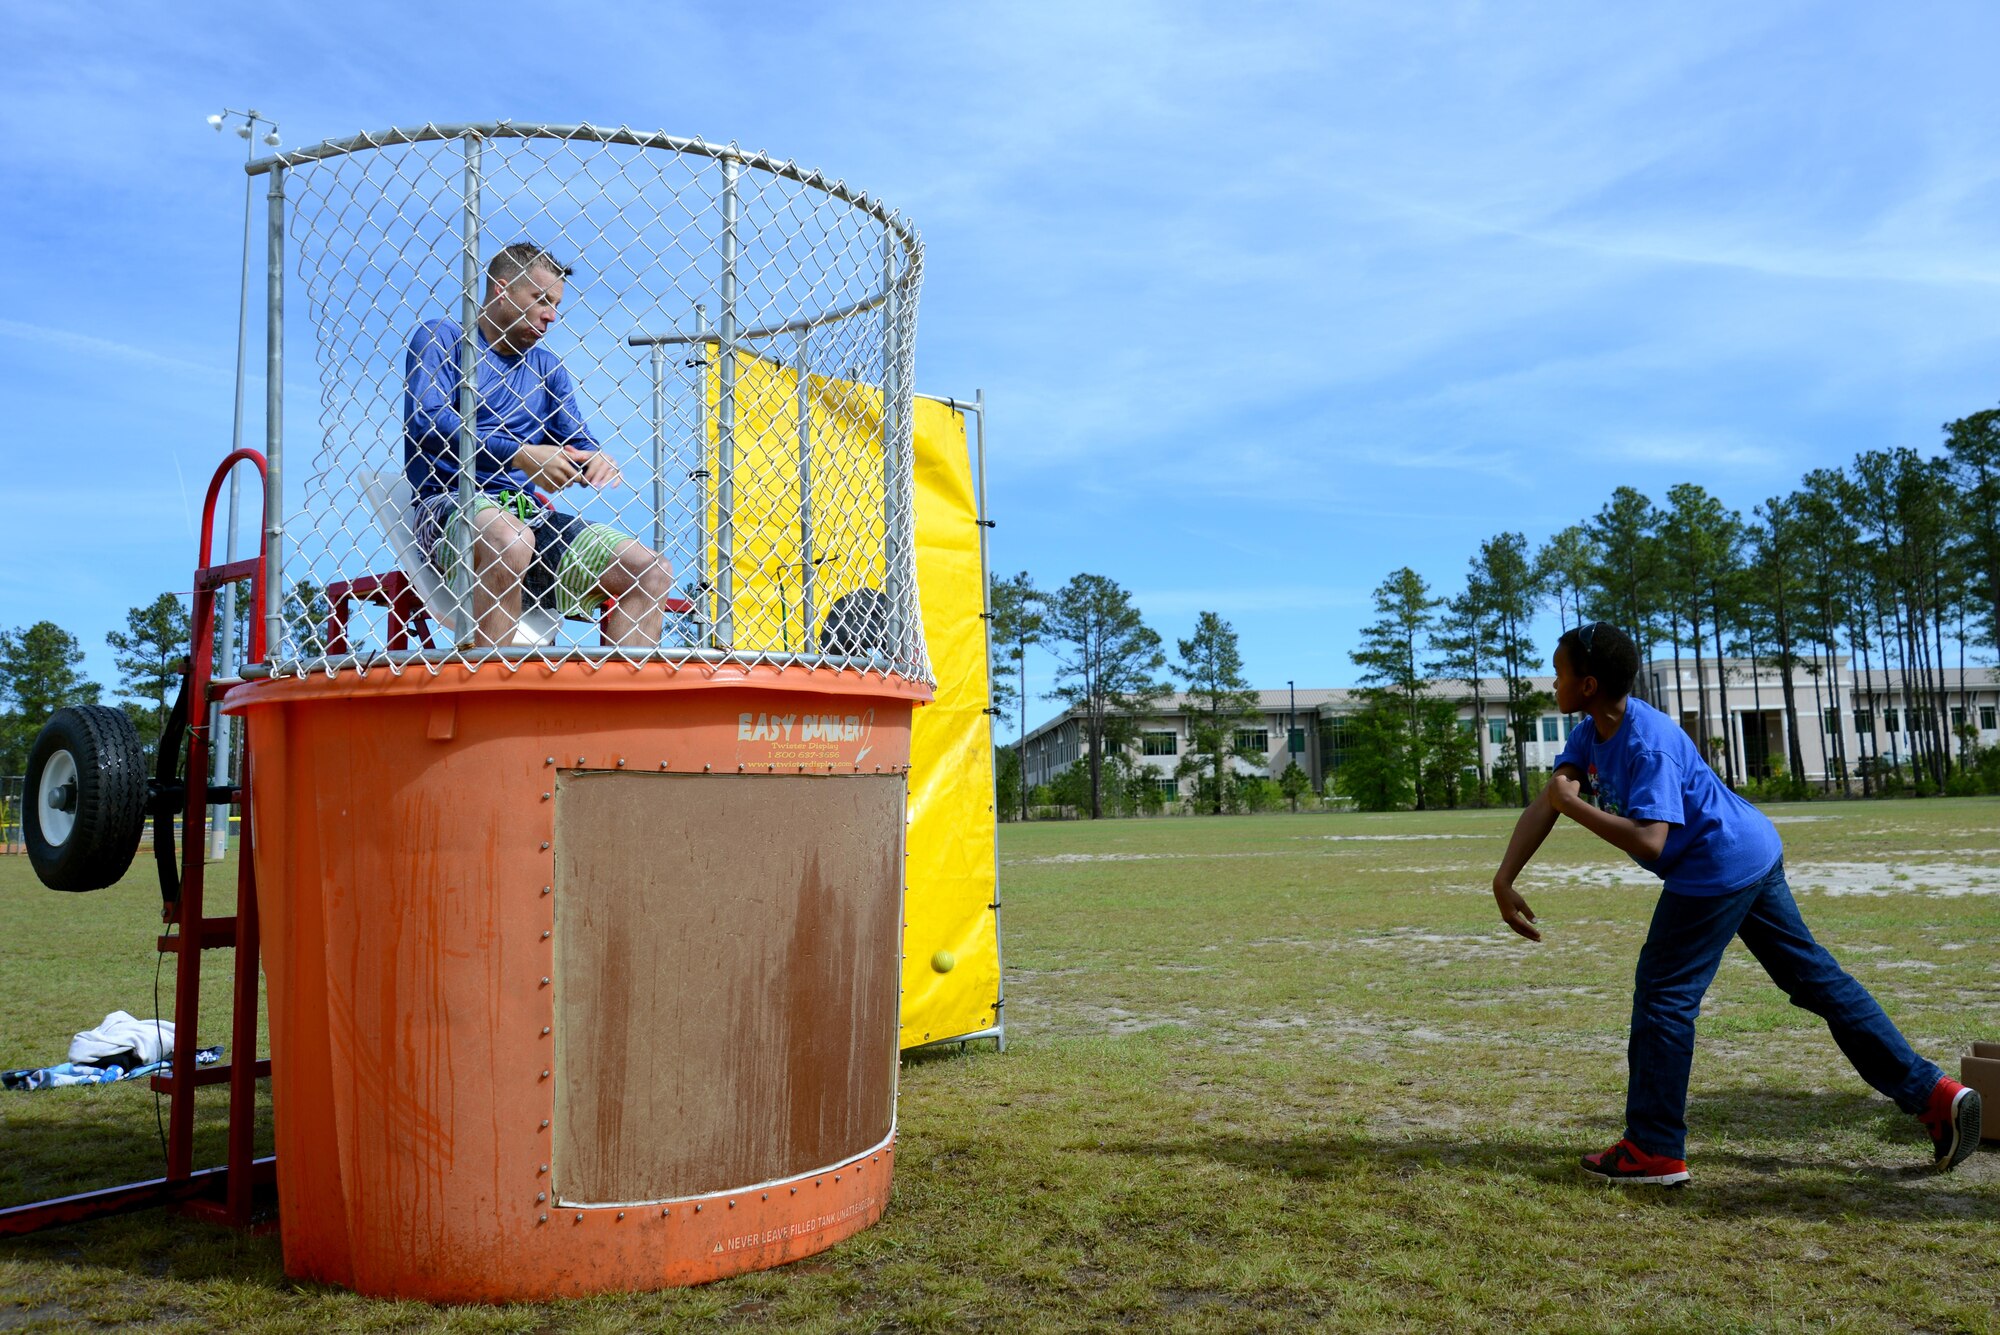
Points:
point(1601, 650)
point(513, 261)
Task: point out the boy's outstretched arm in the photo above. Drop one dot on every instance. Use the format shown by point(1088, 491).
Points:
point(1529, 832)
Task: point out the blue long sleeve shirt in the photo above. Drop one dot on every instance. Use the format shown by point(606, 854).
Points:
point(527, 399)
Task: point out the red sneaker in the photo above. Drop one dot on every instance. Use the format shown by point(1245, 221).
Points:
point(1952, 1118)
point(1626, 1162)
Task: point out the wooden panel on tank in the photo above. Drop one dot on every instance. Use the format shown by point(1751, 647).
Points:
point(727, 958)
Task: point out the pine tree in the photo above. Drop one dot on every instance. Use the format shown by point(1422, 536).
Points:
point(148, 654)
point(1627, 574)
point(1392, 663)
point(1501, 571)
point(1567, 567)
point(1466, 652)
point(1219, 701)
point(1974, 446)
point(1106, 657)
point(1017, 623)
point(38, 675)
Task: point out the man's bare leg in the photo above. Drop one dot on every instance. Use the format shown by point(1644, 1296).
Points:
point(640, 582)
point(502, 549)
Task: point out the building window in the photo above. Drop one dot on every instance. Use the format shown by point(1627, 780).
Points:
point(1165, 785)
point(1986, 717)
point(1831, 720)
point(1158, 744)
point(1332, 741)
point(1864, 720)
point(1253, 739)
point(1889, 720)
point(1465, 725)
point(1957, 717)
point(1496, 730)
point(1569, 724)
point(1551, 728)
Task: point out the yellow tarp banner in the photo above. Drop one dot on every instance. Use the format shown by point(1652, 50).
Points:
point(949, 903)
point(948, 912)
point(845, 466)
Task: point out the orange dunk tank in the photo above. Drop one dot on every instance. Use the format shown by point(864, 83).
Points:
point(575, 704)
point(577, 759)
point(579, 980)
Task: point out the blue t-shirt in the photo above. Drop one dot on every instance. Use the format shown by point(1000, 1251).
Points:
point(527, 399)
point(1650, 770)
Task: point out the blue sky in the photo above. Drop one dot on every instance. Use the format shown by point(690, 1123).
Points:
point(1267, 300)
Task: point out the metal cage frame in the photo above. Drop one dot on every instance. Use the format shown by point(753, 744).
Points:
point(714, 639)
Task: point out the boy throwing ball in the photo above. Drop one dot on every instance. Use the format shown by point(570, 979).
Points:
point(1723, 865)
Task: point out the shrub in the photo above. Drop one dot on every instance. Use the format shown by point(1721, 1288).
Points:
point(1777, 786)
point(1986, 765)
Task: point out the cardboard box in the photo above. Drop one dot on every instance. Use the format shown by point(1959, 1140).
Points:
point(1980, 1069)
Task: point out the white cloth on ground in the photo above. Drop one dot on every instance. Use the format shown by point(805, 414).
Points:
point(123, 1035)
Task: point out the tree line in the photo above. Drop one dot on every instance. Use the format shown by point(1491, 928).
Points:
point(1112, 671)
point(1891, 563)
point(41, 671)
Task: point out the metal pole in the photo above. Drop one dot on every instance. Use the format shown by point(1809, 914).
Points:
point(986, 621)
point(894, 547)
point(807, 568)
point(462, 578)
point(1292, 753)
point(659, 447)
point(225, 664)
point(725, 418)
point(274, 422)
point(704, 608)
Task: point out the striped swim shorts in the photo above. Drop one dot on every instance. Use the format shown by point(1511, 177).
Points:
point(571, 554)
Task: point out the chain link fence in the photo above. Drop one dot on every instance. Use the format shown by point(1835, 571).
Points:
point(589, 395)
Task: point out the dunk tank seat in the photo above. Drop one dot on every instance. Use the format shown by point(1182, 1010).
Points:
point(414, 594)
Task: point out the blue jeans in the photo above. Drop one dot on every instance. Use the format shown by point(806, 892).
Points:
point(1683, 950)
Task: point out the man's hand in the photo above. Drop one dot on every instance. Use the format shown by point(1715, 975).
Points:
point(547, 466)
point(554, 467)
point(1514, 910)
point(595, 467)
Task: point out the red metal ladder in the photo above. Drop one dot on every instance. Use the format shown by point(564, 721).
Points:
point(228, 1194)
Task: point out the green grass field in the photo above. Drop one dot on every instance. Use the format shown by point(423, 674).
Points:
point(1271, 1072)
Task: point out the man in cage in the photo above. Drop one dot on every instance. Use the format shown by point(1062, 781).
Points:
point(531, 436)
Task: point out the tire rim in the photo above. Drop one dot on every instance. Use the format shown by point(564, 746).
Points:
point(56, 823)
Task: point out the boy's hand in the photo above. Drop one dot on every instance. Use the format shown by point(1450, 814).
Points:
point(1514, 910)
point(1565, 793)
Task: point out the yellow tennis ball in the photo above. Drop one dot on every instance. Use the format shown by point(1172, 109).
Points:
point(944, 961)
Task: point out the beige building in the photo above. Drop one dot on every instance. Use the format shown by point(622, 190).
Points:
point(1871, 715)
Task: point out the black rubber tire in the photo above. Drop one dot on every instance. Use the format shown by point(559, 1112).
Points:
point(110, 800)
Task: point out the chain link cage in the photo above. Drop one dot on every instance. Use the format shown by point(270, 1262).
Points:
point(589, 395)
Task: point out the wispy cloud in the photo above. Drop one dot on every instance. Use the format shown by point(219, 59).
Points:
point(70, 341)
point(1700, 452)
